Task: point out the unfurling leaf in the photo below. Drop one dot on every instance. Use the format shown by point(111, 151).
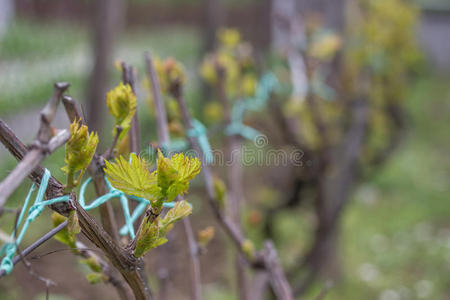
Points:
point(175, 173)
point(79, 152)
point(132, 177)
point(181, 210)
point(96, 277)
point(64, 236)
point(148, 237)
point(121, 103)
point(205, 236)
point(152, 233)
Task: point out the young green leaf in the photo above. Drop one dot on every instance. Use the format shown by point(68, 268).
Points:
point(175, 173)
point(181, 210)
point(148, 237)
point(152, 234)
point(121, 103)
point(170, 179)
point(79, 152)
point(133, 178)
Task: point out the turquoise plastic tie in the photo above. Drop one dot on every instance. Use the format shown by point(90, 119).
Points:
point(128, 228)
point(9, 249)
point(266, 86)
point(199, 131)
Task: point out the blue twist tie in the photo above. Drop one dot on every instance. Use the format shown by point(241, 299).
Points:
point(115, 193)
point(265, 87)
point(199, 131)
point(9, 249)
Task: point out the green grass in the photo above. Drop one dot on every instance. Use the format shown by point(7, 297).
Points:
point(35, 55)
point(396, 234)
point(26, 39)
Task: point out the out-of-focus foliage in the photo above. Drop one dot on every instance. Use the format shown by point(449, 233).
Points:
point(378, 52)
point(170, 72)
point(220, 190)
point(204, 236)
point(232, 65)
point(383, 44)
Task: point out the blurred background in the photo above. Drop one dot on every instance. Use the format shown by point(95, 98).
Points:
point(393, 226)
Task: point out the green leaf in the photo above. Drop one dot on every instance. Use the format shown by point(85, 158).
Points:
point(147, 237)
point(176, 189)
point(175, 173)
point(187, 167)
point(170, 179)
point(133, 178)
point(167, 175)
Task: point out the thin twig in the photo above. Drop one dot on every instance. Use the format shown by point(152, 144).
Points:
point(164, 139)
point(196, 289)
point(129, 77)
point(260, 260)
point(161, 115)
point(109, 153)
point(235, 181)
